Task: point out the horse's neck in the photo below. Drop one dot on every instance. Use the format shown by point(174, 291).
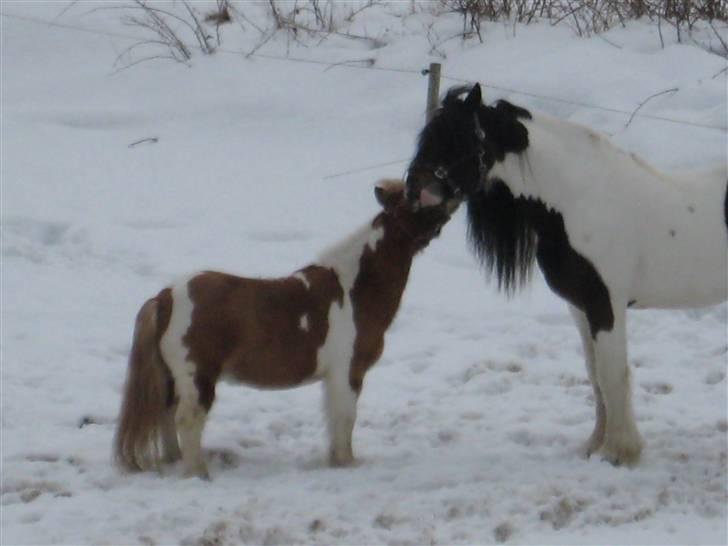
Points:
point(565, 159)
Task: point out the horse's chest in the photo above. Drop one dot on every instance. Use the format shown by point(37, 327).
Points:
point(572, 276)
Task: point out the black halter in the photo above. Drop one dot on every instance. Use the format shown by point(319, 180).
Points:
point(442, 174)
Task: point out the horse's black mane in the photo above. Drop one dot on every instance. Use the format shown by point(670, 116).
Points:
point(503, 232)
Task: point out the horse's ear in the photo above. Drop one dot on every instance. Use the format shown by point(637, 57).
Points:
point(389, 193)
point(474, 98)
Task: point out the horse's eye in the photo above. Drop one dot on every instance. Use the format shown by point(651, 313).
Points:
point(441, 173)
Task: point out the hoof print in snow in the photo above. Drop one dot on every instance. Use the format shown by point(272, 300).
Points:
point(224, 458)
point(561, 514)
point(386, 521)
point(26, 492)
point(502, 532)
point(657, 388)
point(714, 377)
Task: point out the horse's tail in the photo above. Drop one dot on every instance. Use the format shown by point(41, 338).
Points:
point(139, 429)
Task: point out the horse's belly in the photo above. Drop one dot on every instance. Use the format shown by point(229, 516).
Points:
point(683, 282)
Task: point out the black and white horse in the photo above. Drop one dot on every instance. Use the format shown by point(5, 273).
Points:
point(608, 231)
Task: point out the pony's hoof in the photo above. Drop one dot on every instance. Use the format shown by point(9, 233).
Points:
point(198, 472)
point(172, 457)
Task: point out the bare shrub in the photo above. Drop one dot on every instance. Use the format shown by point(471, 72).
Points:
point(166, 29)
point(589, 17)
point(318, 19)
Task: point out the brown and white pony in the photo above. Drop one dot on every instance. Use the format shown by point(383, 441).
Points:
point(326, 322)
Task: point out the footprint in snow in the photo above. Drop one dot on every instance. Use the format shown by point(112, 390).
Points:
point(26, 491)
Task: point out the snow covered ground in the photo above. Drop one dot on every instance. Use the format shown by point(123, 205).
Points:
point(468, 427)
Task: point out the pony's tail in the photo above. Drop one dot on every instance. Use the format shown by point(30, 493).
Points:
point(138, 434)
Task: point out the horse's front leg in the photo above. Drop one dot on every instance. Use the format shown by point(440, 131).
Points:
point(622, 441)
point(597, 437)
point(340, 405)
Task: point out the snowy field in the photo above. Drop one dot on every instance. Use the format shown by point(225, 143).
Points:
point(469, 426)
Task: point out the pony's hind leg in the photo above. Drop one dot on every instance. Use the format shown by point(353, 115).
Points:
point(190, 423)
point(340, 402)
point(189, 419)
point(622, 441)
point(595, 441)
point(170, 445)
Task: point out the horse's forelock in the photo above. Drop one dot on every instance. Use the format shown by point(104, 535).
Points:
point(455, 95)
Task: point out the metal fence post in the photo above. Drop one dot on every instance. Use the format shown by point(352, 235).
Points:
point(433, 89)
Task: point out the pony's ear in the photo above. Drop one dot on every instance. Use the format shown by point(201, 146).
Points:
point(389, 193)
point(474, 99)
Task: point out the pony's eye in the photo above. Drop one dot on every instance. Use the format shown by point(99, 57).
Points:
point(440, 173)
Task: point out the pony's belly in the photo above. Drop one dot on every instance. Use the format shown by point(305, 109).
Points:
point(272, 369)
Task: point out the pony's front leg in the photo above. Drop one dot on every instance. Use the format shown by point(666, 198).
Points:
point(340, 405)
point(622, 441)
point(597, 437)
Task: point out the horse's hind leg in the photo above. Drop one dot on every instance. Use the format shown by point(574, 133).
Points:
point(340, 402)
point(622, 441)
point(597, 437)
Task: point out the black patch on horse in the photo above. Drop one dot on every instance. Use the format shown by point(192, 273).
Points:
point(507, 233)
point(504, 132)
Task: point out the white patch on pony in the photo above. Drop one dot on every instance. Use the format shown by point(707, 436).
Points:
point(303, 324)
point(335, 355)
point(301, 276)
point(190, 415)
point(174, 352)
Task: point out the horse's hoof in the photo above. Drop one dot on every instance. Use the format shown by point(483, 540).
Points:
point(591, 447)
point(341, 461)
point(622, 455)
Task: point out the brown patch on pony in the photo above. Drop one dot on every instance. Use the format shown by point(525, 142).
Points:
point(138, 434)
point(250, 329)
point(383, 272)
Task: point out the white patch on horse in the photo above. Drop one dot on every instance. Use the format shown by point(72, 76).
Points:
point(303, 324)
point(676, 258)
point(639, 229)
point(301, 276)
point(335, 355)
